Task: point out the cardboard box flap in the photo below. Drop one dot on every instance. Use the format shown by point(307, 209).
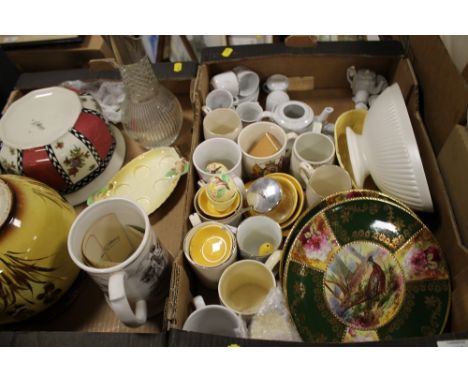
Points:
point(445, 91)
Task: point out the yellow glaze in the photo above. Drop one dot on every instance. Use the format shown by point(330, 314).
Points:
point(210, 245)
point(209, 209)
point(35, 268)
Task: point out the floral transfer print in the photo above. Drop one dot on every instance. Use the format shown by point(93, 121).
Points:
point(364, 285)
point(75, 160)
point(355, 335)
point(267, 168)
point(422, 258)
point(315, 244)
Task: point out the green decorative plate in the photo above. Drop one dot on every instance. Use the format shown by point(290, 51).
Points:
point(365, 269)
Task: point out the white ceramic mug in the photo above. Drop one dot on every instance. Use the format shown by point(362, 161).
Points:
point(249, 112)
point(311, 148)
point(276, 82)
point(249, 82)
point(256, 231)
point(218, 99)
point(214, 319)
point(220, 150)
point(142, 280)
point(226, 80)
point(209, 275)
point(222, 123)
point(323, 181)
point(253, 166)
point(245, 284)
point(276, 98)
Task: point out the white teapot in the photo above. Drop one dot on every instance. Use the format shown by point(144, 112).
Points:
point(296, 116)
point(364, 83)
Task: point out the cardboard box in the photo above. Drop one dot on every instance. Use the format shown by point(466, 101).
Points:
point(59, 56)
point(328, 68)
point(82, 316)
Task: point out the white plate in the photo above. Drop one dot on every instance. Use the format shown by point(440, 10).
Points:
point(40, 118)
point(114, 165)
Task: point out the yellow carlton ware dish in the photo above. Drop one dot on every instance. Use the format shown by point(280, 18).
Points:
point(209, 210)
point(148, 179)
point(288, 204)
point(210, 245)
point(355, 120)
point(300, 198)
point(35, 268)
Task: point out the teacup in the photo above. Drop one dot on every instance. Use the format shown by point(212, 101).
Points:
point(276, 82)
point(222, 123)
point(136, 287)
point(245, 284)
point(218, 99)
point(276, 98)
point(249, 112)
point(214, 319)
point(220, 150)
point(226, 80)
point(312, 148)
point(249, 82)
point(210, 248)
point(323, 181)
point(263, 146)
point(258, 237)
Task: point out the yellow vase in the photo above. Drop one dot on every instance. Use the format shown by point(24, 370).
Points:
point(35, 269)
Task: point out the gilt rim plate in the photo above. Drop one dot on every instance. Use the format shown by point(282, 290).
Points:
point(365, 269)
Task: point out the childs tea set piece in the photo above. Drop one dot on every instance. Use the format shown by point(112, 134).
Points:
point(60, 138)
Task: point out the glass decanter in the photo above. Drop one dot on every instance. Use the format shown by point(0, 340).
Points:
point(151, 114)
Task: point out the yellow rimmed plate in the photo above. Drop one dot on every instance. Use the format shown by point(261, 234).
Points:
point(149, 179)
point(208, 209)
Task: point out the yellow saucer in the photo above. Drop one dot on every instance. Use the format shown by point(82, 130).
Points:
point(208, 209)
point(355, 120)
point(210, 245)
point(288, 204)
point(300, 200)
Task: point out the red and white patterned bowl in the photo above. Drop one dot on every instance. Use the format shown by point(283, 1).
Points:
point(56, 136)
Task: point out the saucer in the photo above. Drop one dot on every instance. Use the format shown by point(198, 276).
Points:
point(208, 209)
point(210, 245)
point(114, 165)
point(300, 198)
point(149, 179)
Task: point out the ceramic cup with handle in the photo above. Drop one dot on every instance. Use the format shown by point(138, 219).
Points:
point(226, 80)
point(323, 181)
point(217, 150)
point(222, 123)
point(258, 237)
point(263, 146)
point(245, 284)
point(214, 319)
point(249, 82)
point(249, 112)
point(218, 99)
point(136, 287)
point(209, 248)
point(313, 149)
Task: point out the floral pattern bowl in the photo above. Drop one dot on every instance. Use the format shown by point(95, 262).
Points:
point(56, 136)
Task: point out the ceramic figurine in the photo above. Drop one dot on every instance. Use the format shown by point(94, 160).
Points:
point(364, 83)
point(35, 269)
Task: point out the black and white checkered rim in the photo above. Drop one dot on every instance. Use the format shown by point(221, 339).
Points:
point(19, 161)
point(88, 145)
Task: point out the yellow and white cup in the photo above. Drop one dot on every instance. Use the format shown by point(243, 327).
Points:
point(209, 248)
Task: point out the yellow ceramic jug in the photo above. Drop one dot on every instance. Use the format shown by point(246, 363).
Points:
point(35, 269)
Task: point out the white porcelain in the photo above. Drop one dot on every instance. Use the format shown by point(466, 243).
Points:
point(221, 150)
point(256, 231)
point(276, 98)
point(218, 99)
point(250, 98)
point(295, 116)
point(276, 82)
point(214, 319)
point(249, 82)
point(249, 112)
point(222, 123)
point(209, 276)
point(115, 163)
point(255, 167)
point(226, 80)
point(388, 151)
point(364, 82)
point(315, 149)
point(245, 284)
point(136, 288)
point(323, 181)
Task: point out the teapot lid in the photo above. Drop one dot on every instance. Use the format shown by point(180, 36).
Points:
point(6, 201)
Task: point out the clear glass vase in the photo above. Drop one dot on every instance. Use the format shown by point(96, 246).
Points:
point(151, 114)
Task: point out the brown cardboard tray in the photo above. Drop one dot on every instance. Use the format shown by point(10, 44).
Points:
point(329, 87)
